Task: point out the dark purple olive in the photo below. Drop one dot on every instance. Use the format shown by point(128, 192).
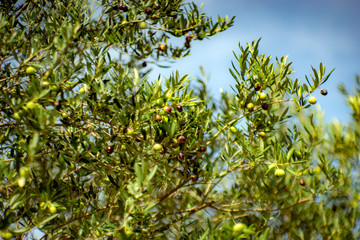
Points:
point(324, 92)
point(257, 87)
point(110, 149)
point(179, 108)
point(182, 139)
point(181, 156)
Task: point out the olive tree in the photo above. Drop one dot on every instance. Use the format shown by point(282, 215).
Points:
point(91, 147)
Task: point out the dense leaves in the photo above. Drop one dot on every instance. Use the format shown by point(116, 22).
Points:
point(93, 148)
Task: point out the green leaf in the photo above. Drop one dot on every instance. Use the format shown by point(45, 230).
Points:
point(150, 206)
point(173, 127)
point(300, 91)
point(327, 76)
point(291, 171)
point(33, 144)
point(46, 220)
point(283, 114)
point(264, 236)
point(21, 230)
point(204, 235)
point(14, 200)
point(136, 78)
point(152, 173)
point(289, 154)
point(249, 231)
point(139, 174)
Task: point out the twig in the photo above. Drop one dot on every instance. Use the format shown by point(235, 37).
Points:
point(171, 192)
point(262, 209)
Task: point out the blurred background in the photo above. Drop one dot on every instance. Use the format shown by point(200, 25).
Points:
point(307, 31)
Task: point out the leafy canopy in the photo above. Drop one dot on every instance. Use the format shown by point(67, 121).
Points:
point(92, 148)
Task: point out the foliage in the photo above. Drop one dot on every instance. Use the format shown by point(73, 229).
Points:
point(93, 148)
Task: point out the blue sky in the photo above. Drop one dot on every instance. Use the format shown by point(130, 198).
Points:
point(309, 32)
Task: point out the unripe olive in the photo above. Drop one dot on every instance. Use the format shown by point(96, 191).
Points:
point(21, 181)
point(162, 47)
point(130, 131)
point(312, 100)
point(239, 227)
point(42, 205)
point(30, 105)
point(279, 172)
point(44, 84)
point(142, 25)
point(17, 116)
point(82, 90)
point(52, 208)
point(159, 101)
point(6, 235)
point(128, 232)
point(262, 95)
point(30, 70)
point(157, 147)
point(250, 106)
point(233, 129)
